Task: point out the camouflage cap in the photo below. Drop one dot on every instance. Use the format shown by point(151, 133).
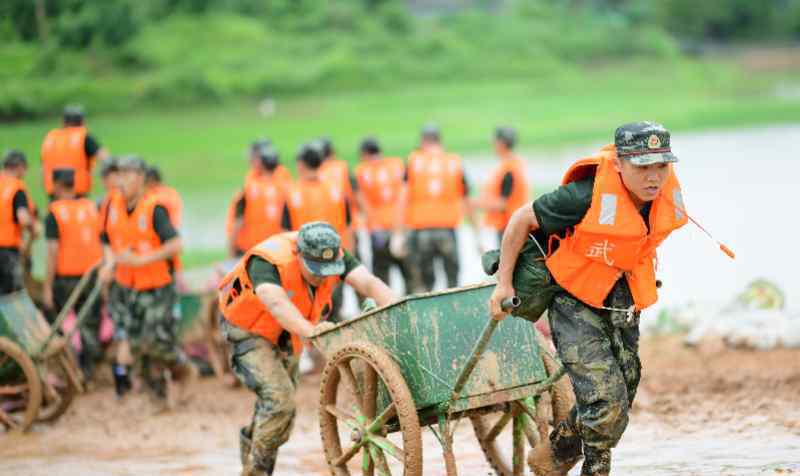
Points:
point(507, 135)
point(644, 143)
point(132, 162)
point(320, 248)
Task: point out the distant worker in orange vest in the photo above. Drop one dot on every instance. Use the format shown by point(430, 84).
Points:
point(435, 200)
point(609, 216)
point(143, 297)
point(72, 230)
point(380, 183)
point(507, 187)
point(71, 147)
point(337, 173)
point(260, 209)
point(280, 175)
point(171, 200)
point(272, 302)
point(17, 224)
point(312, 199)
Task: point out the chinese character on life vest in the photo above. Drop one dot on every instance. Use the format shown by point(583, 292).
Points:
point(601, 249)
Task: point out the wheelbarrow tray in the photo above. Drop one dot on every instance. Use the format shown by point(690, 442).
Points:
point(431, 336)
point(22, 323)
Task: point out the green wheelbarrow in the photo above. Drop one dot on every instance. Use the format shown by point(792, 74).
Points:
point(433, 360)
point(39, 376)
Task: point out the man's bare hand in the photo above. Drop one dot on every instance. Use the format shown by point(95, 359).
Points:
point(500, 294)
point(323, 327)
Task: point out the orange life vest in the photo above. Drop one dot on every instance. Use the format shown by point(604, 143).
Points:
point(337, 173)
point(79, 245)
point(281, 175)
point(613, 240)
point(264, 202)
point(492, 189)
point(380, 182)
point(435, 191)
point(136, 232)
point(315, 200)
point(64, 148)
point(241, 306)
point(10, 230)
point(171, 200)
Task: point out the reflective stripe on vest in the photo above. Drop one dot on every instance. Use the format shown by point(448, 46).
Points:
point(435, 191)
point(612, 240)
point(492, 189)
point(136, 232)
point(10, 231)
point(380, 182)
point(241, 306)
point(65, 148)
point(79, 245)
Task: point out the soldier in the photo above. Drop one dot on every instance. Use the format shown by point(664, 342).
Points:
point(143, 298)
point(72, 230)
point(507, 187)
point(610, 215)
point(18, 226)
point(380, 182)
point(271, 303)
point(171, 200)
point(336, 172)
point(435, 199)
point(72, 147)
point(259, 210)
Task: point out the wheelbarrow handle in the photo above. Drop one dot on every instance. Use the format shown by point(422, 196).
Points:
point(508, 304)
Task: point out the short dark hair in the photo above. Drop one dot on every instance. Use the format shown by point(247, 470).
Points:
point(431, 132)
point(506, 135)
point(153, 173)
point(259, 143)
point(269, 157)
point(14, 158)
point(73, 115)
point(64, 177)
point(311, 154)
point(370, 146)
point(327, 147)
point(109, 166)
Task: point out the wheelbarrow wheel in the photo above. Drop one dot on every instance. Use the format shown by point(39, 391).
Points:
point(20, 388)
point(364, 397)
point(61, 383)
point(524, 423)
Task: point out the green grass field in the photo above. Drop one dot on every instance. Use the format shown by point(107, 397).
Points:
point(202, 151)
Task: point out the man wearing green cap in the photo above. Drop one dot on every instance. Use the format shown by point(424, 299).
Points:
point(271, 303)
point(607, 219)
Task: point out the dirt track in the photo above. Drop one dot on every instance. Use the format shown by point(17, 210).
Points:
point(700, 411)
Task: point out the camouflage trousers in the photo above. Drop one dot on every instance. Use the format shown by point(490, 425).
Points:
point(382, 259)
point(426, 247)
point(147, 320)
point(603, 363)
point(10, 271)
point(271, 373)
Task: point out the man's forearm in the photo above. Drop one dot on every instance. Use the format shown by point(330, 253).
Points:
point(283, 310)
point(167, 250)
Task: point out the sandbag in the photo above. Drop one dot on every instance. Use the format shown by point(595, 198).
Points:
point(532, 281)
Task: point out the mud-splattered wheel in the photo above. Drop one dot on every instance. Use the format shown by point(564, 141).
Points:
point(61, 381)
point(20, 388)
point(365, 402)
point(505, 438)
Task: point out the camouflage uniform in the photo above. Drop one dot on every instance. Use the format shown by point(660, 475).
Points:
point(383, 260)
point(147, 320)
point(271, 373)
point(427, 245)
point(10, 271)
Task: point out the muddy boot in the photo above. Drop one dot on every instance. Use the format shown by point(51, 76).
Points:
point(265, 467)
point(597, 462)
point(556, 455)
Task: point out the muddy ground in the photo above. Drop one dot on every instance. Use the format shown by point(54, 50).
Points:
point(705, 411)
